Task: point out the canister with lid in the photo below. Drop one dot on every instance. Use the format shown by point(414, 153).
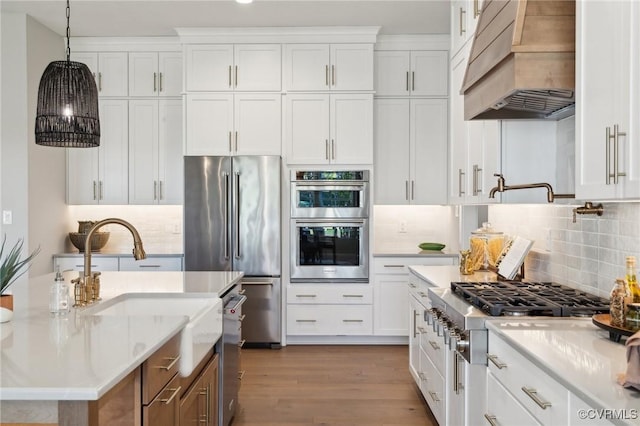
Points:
point(486, 245)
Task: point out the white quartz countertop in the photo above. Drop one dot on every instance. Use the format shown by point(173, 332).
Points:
point(414, 253)
point(107, 253)
point(577, 354)
point(443, 275)
point(80, 357)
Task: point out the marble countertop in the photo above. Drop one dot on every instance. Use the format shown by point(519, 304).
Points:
point(414, 253)
point(576, 353)
point(107, 253)
point(80, 357)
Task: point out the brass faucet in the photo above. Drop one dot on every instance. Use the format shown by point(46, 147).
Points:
point(87, 285)
point(588, 208)
point(502, 188)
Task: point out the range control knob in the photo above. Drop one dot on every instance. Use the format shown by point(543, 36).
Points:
point(462, 345)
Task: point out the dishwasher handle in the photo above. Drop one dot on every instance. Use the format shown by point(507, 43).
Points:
point(236, 306)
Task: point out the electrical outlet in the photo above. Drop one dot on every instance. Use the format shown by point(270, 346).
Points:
point(7, 217)
point(402, 227)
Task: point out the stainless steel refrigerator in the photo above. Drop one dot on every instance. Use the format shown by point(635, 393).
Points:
point(232, 222)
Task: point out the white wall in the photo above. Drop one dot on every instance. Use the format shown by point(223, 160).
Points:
point(588, 254)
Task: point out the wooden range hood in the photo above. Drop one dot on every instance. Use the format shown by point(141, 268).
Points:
point(522, 61)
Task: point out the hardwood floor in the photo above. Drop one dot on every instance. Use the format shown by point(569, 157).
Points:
point(329, 385)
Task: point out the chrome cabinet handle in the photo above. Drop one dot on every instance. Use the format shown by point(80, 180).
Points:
point(94, 190)
point(235, 77)
point(225, 227)
point(434, 345)
point(100, 192)
point(236, 140)
point(230, 76)
point(326, 148)
point(456, 373)
point(242, 317)
point(399, 266)
point(476, 170)
point(421, 330)
point(155, 189)
point(306, 295)
point(99, 82)
point(306, 320)
point(533, 394)
point(149, 266)
point(607, 155)
point(495, 361)
point(333, 75)
point(160, 80)
point(160, 192)
point(173, 395)
point(407, 82)
point(352, 320)
point(463, 28)
point(415, 325)
point(434, 396)
point(155, 82)
point(413, 187)
point(230, 144)
point(241, 343)
point(333, 150)
point(460, 174)
point(406, 190)
point(491, 420)
point(326, 75)
point(616, 145)
point(352, 295)
point(413, 81)
point(422, 376)
point(238, 203)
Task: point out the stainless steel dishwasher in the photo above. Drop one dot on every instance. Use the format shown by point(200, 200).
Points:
point(229, 348)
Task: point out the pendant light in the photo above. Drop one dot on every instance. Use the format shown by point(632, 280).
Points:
point(67, 112)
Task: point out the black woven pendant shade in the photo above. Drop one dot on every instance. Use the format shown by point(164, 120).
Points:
point(67, 113)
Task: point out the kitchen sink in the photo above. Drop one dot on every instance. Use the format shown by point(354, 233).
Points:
point(197, 337)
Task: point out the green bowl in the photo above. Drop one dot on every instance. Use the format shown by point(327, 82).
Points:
point(431, 246)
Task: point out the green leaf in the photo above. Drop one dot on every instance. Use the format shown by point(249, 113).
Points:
point(12, 267)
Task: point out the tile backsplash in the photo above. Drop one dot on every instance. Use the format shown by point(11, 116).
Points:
point(588, 254)
point(160, 227)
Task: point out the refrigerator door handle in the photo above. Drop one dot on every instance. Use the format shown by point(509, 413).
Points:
point(237, 218)
point(258, 281)
point(226, 216)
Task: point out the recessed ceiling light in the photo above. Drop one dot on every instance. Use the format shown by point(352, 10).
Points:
point(244, 1)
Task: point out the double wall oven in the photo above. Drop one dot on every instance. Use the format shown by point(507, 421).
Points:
point(330, 226)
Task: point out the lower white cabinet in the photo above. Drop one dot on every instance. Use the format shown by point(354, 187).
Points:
point(581, 413)
point(76, 263)
point(151, 264)
point(329, 310)
point(503, 408)
point(118, 263)
point(390, 296)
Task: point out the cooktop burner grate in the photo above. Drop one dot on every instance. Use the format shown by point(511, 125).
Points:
point(497, 298)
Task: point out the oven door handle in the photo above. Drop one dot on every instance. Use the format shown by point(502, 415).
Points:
point(330, 185)
point(234, 308)
point(330, 222)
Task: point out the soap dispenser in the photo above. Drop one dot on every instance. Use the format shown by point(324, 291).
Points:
point(59, 295)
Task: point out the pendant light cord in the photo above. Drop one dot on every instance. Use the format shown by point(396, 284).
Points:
point(68, 32)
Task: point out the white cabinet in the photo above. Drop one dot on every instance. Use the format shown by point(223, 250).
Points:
point(109, 69)
point(607, 100)
point(503, 408)
point(76, 263)
point(155, 73)
point(411, 73)
point(329, 310)
point(474, 147)
point(583, 414)
point(169, 263)
point(411, 151)
point(322, 67)
point(155, 151)
point(118, 263)
point(390, 295)
point(329, 129)
point(233, 124)
point(227, 67)
point(100, 175)
point(464, 19)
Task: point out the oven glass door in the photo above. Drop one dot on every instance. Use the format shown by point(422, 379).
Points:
point(329, 250)
point(331, 200)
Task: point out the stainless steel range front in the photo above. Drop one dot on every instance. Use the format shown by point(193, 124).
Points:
point(330, 226)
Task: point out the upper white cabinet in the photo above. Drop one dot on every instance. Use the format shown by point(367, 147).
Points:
point(109, 70)
point(607, 100)
point(233, 124)
point(329, 129)
point(100, 175)
point(474, 146)
point(411, 151)
point(155, 73)
point(155, 151)
point(411, 73)
point(321, 67)
point(227, 67)
point(464, 19)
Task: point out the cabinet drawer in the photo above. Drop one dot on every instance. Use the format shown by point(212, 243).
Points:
point(433, 345)
point(98, 263)
point(356, 294)
point(545, 398)
point(163, 409)
point(433, 388)
point(333, 320)
point(399, 265)
point(503, 408)
point(160, 368)
point(151, 264)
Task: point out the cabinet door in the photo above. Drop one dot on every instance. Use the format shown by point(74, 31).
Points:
point(503, 408)
point(170, 73)
point(391, 298)
point(128, 263)
point(306, 67)
point(82, 175)
point(606, 98)
point(113, 157)
point(209, 124)
point(170, 156)
point(307, 128)
point(257, 123)
point(164, 409)
point(458, 144)
point(491, 140)
point(209, 67)
point(416, 315)
point(143, 152)
point(190, 405)
point(209, 392)
point(351, 129)
point(429, 73)
point(257, 67)
point(351, 67)
point(391, 71)
point(112, 74)
point(429, 142)
point(90, 59)
point(391, 151)
point(143, 74)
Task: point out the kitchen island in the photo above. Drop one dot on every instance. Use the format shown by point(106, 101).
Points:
point(80, 357)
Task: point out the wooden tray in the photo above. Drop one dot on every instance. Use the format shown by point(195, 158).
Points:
point(615, 333)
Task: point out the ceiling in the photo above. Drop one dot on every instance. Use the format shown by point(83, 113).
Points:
point(159, 18)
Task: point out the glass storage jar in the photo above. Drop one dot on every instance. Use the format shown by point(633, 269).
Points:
point(633, 317)
point(486, 245)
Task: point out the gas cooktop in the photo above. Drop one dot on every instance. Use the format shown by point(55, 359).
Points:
point(520, 298)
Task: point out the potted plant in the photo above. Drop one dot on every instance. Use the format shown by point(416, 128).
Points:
point(11, 268)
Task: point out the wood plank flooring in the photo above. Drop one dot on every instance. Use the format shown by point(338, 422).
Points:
point(329, 385)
